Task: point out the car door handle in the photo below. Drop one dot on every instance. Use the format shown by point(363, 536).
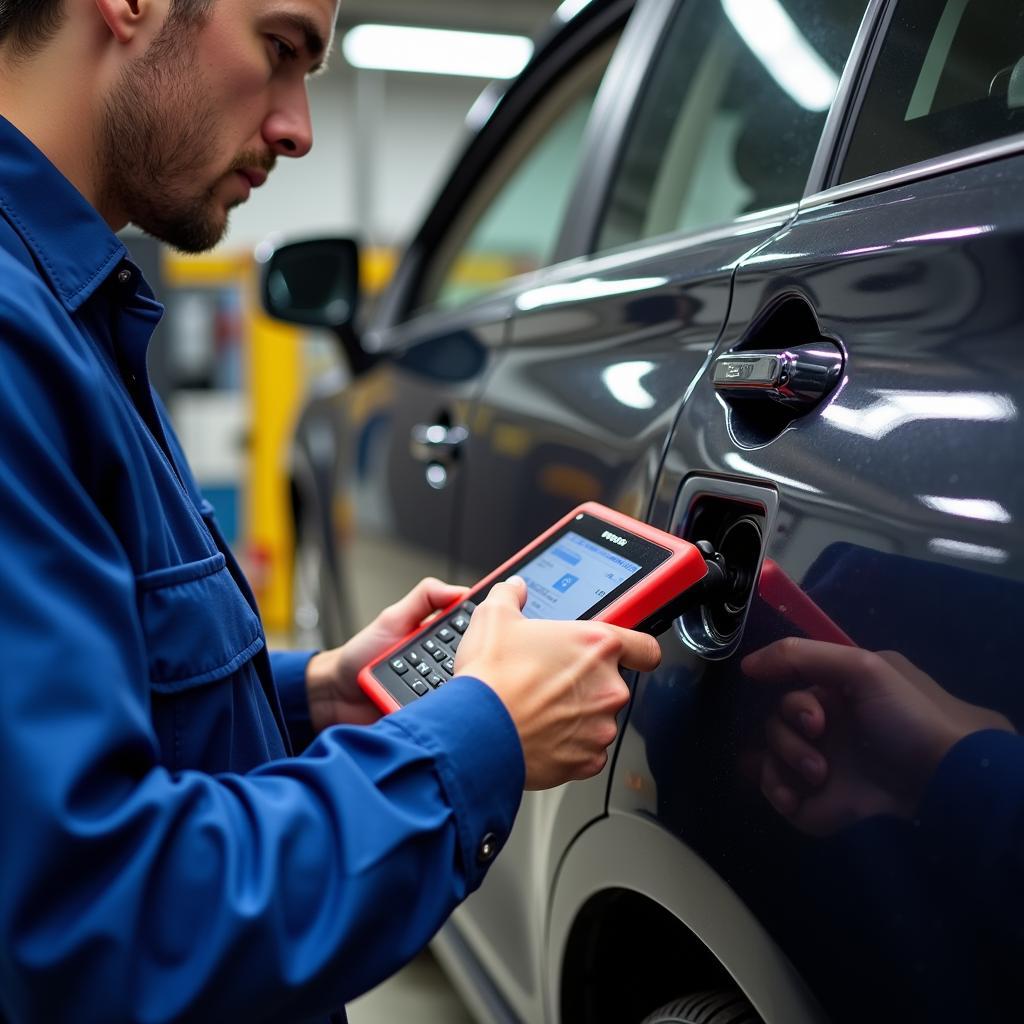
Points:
point(436, 442)
point(798, 377)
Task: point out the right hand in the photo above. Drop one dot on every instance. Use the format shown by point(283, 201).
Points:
point(862, 736)
point(559, 681)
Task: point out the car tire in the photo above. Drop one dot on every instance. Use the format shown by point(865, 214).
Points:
point(720, 1006)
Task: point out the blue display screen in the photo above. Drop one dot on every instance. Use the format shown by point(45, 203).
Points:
point(571, 576)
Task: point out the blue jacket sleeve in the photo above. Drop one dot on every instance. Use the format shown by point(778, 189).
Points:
point(129, 892)
point(971, 825)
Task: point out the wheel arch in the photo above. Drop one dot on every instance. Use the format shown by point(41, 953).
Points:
point(633, 903)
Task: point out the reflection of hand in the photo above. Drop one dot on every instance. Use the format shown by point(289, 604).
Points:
point(559, 681)
point(861, 738)
point(334, 696)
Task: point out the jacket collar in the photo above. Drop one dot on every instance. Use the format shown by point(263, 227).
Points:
point(71, 243)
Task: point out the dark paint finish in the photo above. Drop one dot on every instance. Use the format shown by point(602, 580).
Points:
point(901, 505)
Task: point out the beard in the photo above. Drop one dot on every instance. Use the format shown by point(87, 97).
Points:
point(155, 129)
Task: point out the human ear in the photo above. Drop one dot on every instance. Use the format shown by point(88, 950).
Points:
point(126, 19)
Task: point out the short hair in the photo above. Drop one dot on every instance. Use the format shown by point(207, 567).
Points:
point(26, 26)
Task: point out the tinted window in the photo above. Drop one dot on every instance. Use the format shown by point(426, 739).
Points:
point(731, 117)
point(511, 222)
point(949, 75)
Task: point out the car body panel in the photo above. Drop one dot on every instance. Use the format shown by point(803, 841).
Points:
point(900, 515)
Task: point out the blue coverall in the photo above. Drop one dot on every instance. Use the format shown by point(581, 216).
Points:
point(161, 854)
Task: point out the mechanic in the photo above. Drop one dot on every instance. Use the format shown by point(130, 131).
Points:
point(164, 856)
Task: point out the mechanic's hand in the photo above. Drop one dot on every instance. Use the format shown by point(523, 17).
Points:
point(863, 738)
point(559, 681)
point(334, 696)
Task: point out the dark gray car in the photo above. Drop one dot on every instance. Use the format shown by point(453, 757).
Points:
point(750, 271)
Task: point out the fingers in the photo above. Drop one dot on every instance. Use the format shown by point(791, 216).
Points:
point(776, 790)
point(639, 650)
point(848, 670)
point(804, 712)
point(800, 756)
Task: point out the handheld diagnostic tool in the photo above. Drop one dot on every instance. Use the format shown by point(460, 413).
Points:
point(595, 563)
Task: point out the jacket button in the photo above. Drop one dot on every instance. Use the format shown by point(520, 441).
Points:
point(487, 849)
point(124, 276)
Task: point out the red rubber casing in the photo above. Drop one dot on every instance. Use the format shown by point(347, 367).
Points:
point(650, 593)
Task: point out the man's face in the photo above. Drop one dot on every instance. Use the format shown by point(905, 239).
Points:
point(199, 120)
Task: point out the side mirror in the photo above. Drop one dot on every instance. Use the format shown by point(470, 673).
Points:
point(316, 284)
point(313, 283)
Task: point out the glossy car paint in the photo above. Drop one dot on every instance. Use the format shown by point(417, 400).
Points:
point(900, 512)
point(895, 505)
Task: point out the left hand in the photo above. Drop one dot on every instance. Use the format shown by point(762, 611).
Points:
point(334, 696)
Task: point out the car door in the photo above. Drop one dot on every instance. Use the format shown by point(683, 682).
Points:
point(890, 502)
point(685, 175)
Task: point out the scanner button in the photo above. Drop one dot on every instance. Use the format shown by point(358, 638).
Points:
point(449, 666)
point(423, 668)
point(417, 686)
point(414, 658)
point(399, 665)
point(430, 646)
point(445, 635)
point(468, 607)
point(435, 680)
point(440, 654)
point(460, 623)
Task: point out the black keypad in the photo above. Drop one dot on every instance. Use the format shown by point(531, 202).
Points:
point(434, 658)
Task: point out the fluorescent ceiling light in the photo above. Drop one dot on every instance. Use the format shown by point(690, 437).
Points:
point(436, 51)
point(788, 57)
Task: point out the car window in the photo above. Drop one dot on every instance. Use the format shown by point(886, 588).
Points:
point(511, 222)
point(731, 115)
point(949, 75)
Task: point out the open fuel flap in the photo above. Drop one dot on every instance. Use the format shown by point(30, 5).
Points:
point(729, 521)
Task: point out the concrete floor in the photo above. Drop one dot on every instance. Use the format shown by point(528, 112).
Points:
point(418, 994)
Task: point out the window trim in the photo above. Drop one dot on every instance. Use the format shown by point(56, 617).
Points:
point(614, 113)
point(984, 152)
point(842, 114)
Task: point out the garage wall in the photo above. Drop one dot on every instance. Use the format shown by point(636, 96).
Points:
point(383, 145)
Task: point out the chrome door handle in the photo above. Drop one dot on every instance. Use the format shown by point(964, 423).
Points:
point(798, 377)
point(436, 442)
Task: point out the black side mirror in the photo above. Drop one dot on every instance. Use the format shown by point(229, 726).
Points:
point(313, 283)
point(316, 284)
